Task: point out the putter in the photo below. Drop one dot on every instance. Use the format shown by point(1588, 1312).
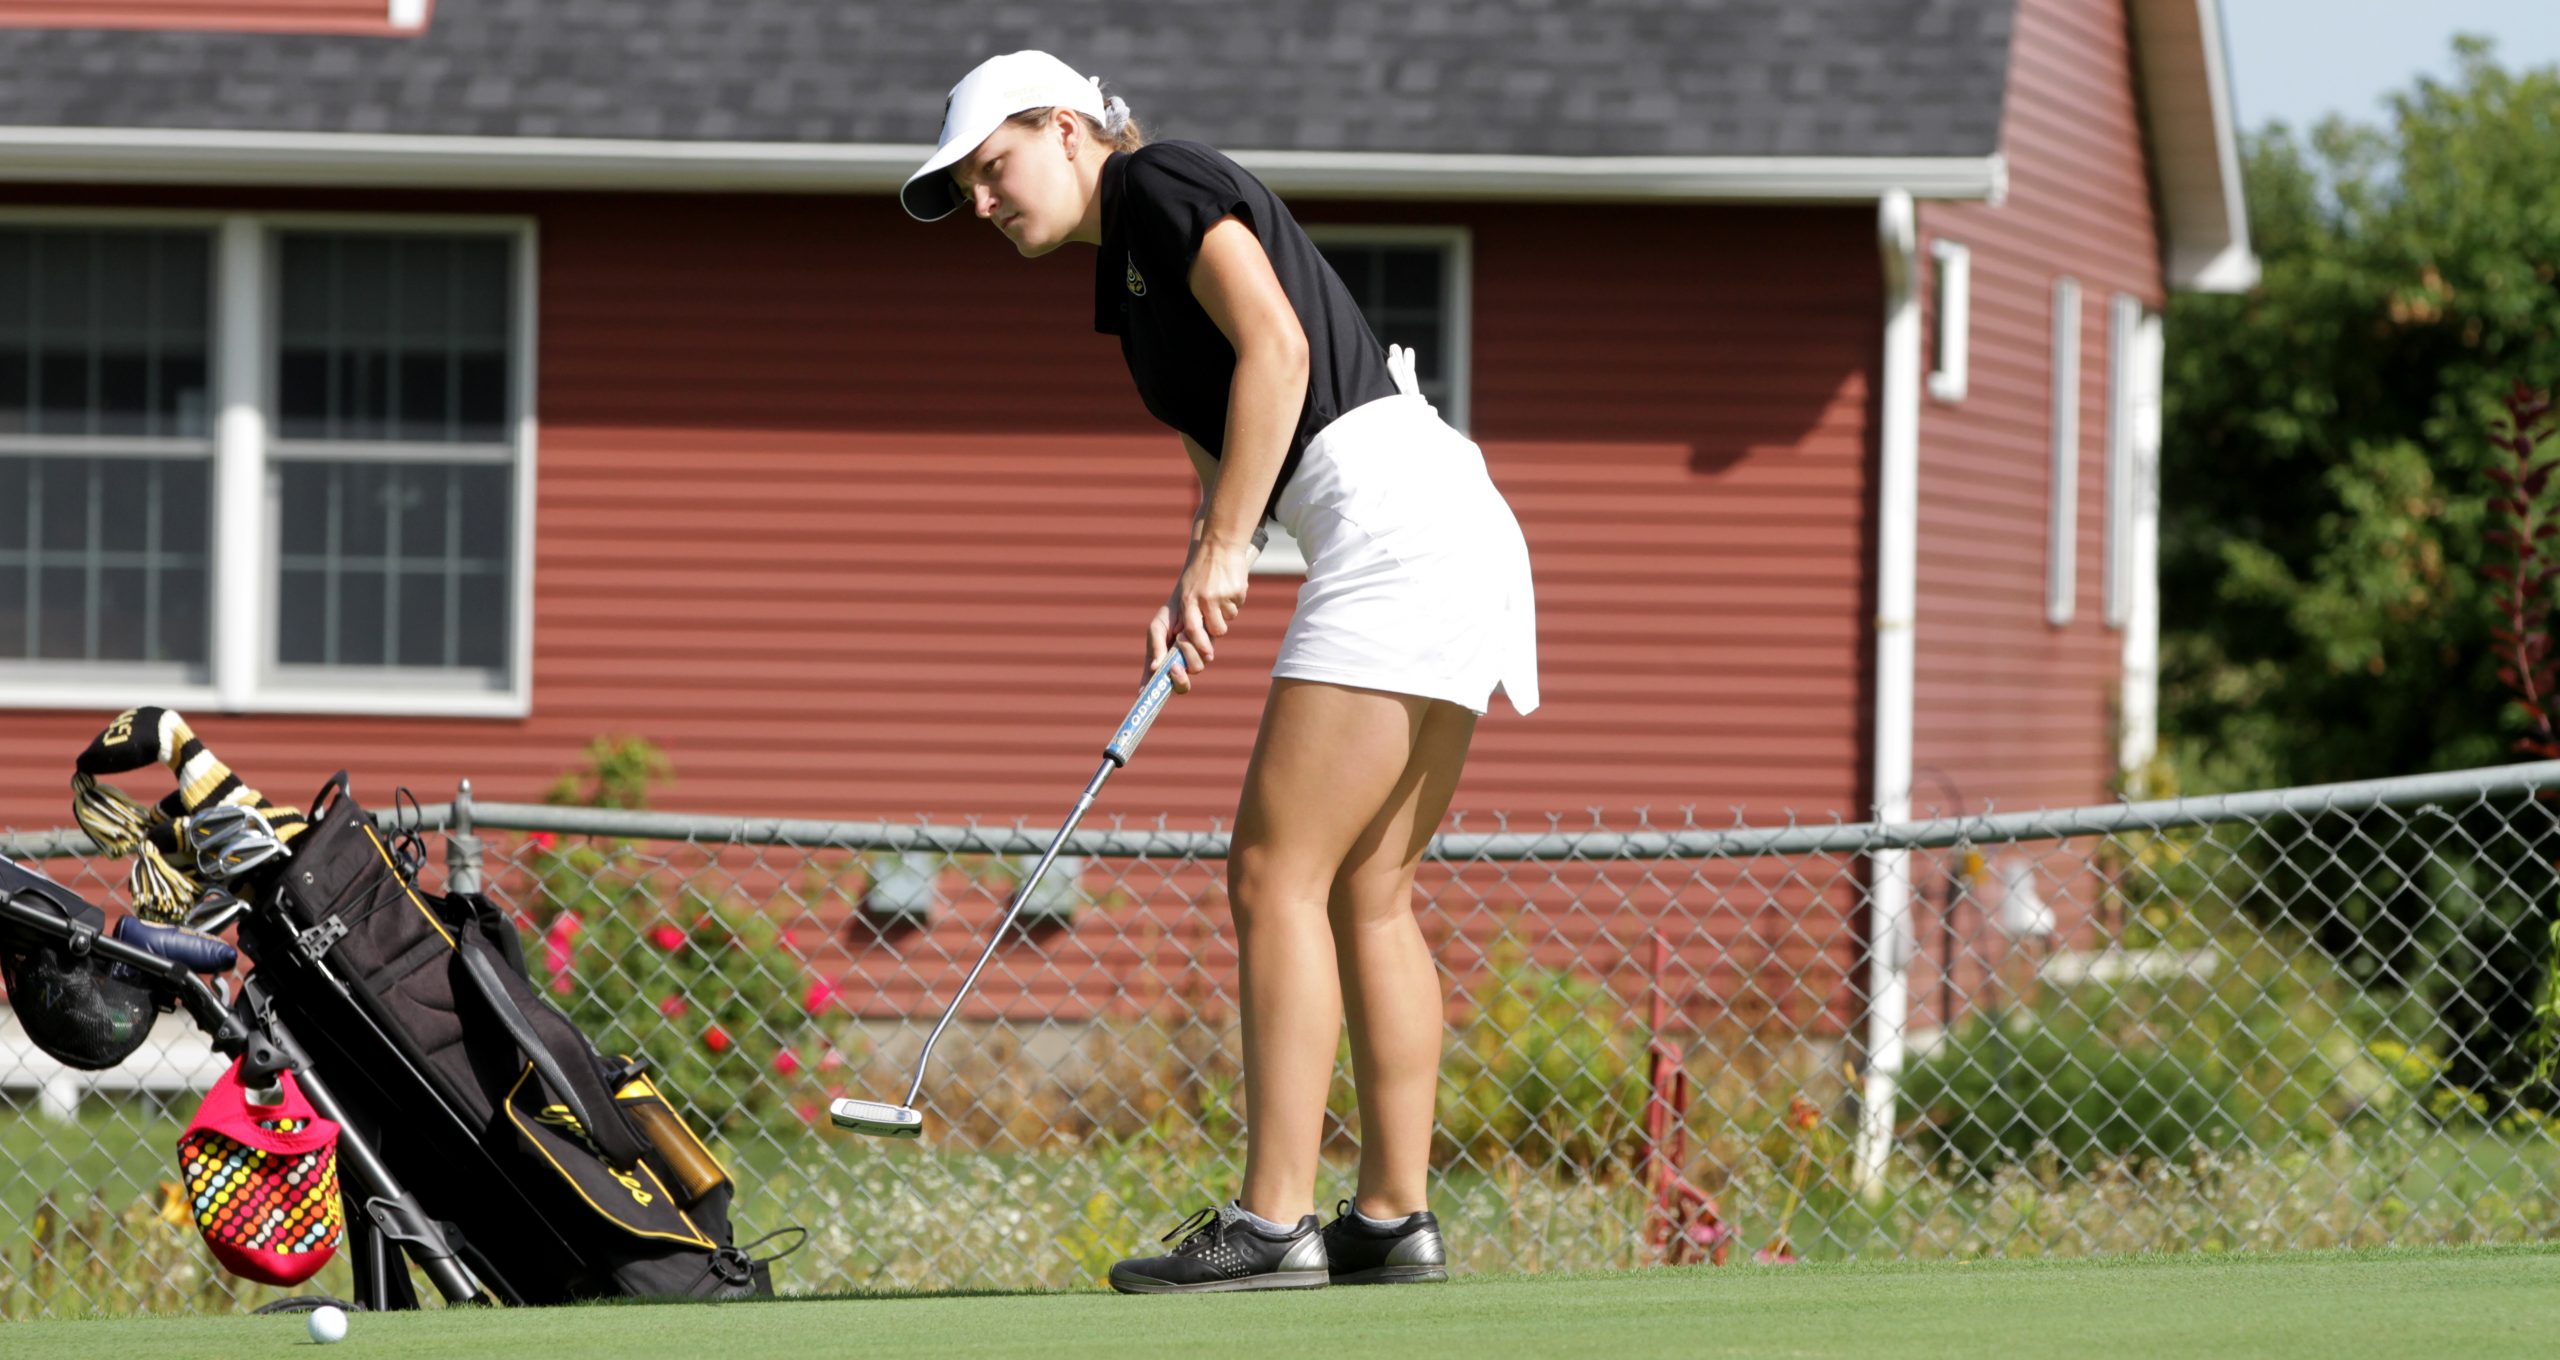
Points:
point(904, 1120)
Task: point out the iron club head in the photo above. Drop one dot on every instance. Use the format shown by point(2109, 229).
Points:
point(877, 1119)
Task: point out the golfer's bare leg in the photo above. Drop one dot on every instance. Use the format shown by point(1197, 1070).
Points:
point(1390, 990)
point(1324, 765)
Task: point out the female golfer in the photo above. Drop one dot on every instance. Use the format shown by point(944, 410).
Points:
point(1416, 608)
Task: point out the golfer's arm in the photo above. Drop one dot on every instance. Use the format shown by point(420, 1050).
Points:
point(1207, 467)
point(1232, 278)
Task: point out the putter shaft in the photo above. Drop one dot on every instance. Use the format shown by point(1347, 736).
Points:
point(904, 1120)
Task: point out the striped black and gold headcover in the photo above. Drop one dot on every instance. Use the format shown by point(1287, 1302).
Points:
point(164, 883)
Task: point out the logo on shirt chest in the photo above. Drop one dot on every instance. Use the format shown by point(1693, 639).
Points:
point(1137, 281)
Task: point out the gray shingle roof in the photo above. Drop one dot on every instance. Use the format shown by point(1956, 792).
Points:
point(1558, 77)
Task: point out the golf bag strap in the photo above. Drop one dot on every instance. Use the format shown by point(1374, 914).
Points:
point(611, 1134)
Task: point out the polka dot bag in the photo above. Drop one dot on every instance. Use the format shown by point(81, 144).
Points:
point(263, 1181)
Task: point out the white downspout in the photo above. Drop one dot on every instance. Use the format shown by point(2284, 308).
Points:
point(1897, 567)
point(240, 624)
point(2140, 702)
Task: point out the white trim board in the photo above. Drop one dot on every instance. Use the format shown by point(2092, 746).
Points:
point(200, 156)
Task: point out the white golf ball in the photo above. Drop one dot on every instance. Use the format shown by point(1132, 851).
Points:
point(328, 1324)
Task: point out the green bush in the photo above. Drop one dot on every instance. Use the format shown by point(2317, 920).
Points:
point(1999, 1092)
point(1548, 1069)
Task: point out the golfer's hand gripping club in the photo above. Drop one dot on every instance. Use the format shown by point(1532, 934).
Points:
point(904, 1120)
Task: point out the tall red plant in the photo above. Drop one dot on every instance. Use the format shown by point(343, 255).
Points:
point(2526, 525)
point(2525, 663)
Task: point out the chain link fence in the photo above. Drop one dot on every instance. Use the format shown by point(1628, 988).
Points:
point(2313, 1017)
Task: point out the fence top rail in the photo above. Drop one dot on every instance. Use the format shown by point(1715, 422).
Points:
point(1560, 840)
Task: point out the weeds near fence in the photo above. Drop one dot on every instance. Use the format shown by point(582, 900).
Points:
point(89, 1256)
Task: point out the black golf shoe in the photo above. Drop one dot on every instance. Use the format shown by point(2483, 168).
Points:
point(1221, 1250)
point(1411, 1252)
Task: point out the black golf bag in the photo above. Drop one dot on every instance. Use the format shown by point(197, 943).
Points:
point(553, 1172)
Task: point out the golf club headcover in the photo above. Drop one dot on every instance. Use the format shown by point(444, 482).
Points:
point(164, 882)
point(262, 1181)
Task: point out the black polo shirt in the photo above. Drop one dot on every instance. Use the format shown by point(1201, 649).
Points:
point(1157, 202)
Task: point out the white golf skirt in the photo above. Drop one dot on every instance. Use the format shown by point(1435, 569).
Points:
point(1417, 576)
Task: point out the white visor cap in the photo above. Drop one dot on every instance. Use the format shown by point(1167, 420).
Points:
point(998, 89)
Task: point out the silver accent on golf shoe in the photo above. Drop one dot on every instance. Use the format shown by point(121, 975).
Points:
point(1423, 1248)
point(1307, 1253)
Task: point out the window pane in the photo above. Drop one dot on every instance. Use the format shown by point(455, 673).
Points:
point(15, 643)
point(186, 406)
point(124, 606)
point(480, 398)
point(302, 392)
point(420, 638)
point(425, 380)
point(302, 609)
point(1411, 278)
point(115, 551)
point(359, 598)
point(17, 513)
point(395, 337)
point(17, 332)
point(364, 505)
point(124, 332)
point(62, 620)
point(484, 621)
point(104, 331)
point(488, 530)
point(396, 564)
point(186, 506)
point(62, 503)
point(185, 613)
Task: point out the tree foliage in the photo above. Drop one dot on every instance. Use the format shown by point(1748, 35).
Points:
point(2326, 497)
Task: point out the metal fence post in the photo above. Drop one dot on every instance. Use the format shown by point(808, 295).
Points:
point(461, 847)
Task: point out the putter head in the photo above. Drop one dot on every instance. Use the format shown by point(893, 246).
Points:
point(877, 1119)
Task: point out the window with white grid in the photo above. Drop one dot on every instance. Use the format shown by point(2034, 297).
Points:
point(268, 463)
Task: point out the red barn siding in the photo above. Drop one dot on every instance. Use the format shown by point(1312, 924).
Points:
point(269, 16)
point(858, 518)
point(2011, 709)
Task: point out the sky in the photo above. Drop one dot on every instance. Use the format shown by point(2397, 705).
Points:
point(2301, 60)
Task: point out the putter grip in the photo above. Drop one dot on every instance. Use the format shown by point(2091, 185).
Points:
point(1142, 715)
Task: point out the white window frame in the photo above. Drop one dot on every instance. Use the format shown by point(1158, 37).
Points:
point(1954, 316)
point(1281, 555)
point(2124, 327)
point(245, 532)
point(2062, 527)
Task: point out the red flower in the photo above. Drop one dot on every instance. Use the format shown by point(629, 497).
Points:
point(786, 1062)
point(807, 1110)
point(716, 1039)
point(820, 996)
point(672, 1007)
point(557, 945)
point(1803, 1113)
point(543, 840)
point(831, 1061)
point(668, 938)
point(1779, 1254)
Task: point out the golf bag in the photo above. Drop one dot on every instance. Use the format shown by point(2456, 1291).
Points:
point(555, 1173)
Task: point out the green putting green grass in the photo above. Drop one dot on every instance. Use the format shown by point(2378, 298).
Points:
point(2448, 1304)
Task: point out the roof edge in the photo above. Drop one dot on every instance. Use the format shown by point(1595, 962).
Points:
point(2190, 121)
point(400, 160)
